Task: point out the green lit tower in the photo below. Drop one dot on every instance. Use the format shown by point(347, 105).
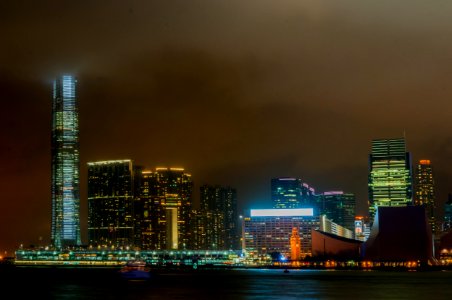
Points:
point(65, 164)
point(286, 192)
point(425, 191)
point(390, 175)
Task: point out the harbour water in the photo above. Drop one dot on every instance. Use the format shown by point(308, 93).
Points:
point(58, 283)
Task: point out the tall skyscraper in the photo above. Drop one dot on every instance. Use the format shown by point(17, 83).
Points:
point(166, 200)
point(65, 164)
point(111, 203)
point(218, 211)
point(425, 191)
point(390, 175)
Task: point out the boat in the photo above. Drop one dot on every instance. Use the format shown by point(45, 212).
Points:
point(135, 270)
point(286, 271)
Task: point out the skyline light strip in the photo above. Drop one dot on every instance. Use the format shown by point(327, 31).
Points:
point(283, 212)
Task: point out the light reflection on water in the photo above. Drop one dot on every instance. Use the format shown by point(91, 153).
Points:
point(230, 284)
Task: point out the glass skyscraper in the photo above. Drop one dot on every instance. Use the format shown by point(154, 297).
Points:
point(286, 192)
point(65, 164)
point(390, 175)
point(338, 207)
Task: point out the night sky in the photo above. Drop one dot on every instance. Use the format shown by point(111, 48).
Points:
point(237, 92)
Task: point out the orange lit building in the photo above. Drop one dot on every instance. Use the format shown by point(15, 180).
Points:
point(295, 245)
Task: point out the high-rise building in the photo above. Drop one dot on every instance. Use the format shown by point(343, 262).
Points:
point(166, 198)
point(220, 203)
point(390, 175)
point(65, 164)
point(208, 231)
point(288, 192)
point(425, 191)
point(339, 207)
point(111, 218)
point(447, 226)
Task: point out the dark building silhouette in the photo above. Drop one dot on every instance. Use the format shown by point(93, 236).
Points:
point(65, 164)
point(217, 219)
point(400, 234)
point(447, 226)
point(330, 246)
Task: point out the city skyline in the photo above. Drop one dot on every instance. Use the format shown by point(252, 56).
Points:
point(237, 94)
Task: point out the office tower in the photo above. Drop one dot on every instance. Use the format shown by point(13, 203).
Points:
point(339, 207)
point(425, 191)
point(166, 197)
point(390, 176)
point(286, 192)
point(447, 226)
point(65, 164)
point(111, 203)
point(218, 205)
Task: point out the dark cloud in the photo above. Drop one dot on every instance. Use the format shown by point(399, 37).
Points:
point(237, 92)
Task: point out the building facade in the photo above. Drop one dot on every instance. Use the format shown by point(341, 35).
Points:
point(266, 231)
point(166, 201)
point(111, 219)
point(288, 192)
point(65, 164)
point(390, 174)
point(218, 211)
point(339, 207)
point(425, 191)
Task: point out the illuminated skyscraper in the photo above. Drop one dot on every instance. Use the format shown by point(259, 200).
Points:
point(286, 192)
point(424, 190)
point(111, 203)
point(65, 164)
point(390, 175)
point(166, 200)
